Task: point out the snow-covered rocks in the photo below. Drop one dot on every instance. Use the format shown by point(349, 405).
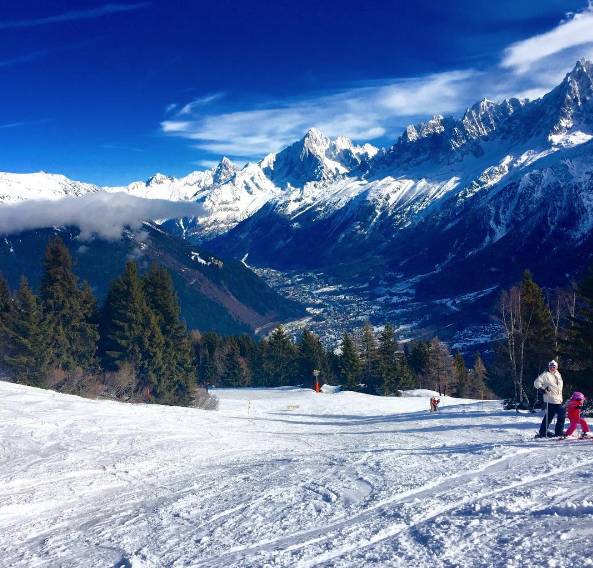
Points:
point(315, 158)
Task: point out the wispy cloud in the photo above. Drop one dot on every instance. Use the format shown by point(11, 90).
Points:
point(100, 214)
point(199, 102)
point(26, 58)
point(574, 32)
point(373, 111)
point(35, 55)
point(363, 113)
point(207, 163)
point(73, 15)
point(23, 123)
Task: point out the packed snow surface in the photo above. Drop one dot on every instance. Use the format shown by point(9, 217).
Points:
point(287, 477)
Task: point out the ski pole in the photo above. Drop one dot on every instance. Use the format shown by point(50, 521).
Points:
point(547, 417)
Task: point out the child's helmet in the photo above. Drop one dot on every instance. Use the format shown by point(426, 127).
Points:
point(578, 396)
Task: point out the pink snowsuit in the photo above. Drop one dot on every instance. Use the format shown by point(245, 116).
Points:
point(573, 409)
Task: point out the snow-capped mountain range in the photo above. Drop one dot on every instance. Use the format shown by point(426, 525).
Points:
point(228, 193)
point(506, 186)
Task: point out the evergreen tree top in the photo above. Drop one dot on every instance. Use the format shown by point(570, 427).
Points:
point(4, 295)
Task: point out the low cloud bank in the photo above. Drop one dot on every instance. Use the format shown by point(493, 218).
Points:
point(100, 214)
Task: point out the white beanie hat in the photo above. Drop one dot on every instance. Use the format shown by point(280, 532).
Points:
point(553, 363)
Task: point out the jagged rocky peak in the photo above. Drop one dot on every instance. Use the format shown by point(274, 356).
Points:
point(159, 179)
point(343, 143)
point(486, 116)
point(577, 86)
point(224, 171)
point(314, 157)
point(581, 77)
point(436, 126)
point(570, 105)
point(315, 142)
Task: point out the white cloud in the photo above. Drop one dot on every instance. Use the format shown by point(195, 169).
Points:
point(574, 32)
point(74, 15)
point(199, 102)
point(100, 214)
point(527, 69)
point(362, 113)
point(24, 123)
point(207, 163)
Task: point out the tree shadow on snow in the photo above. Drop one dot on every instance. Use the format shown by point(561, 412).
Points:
point(350, 420)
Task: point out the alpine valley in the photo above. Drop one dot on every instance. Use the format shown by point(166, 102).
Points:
point(424, 233)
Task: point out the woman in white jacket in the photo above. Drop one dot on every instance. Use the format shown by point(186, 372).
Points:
point(551, 383)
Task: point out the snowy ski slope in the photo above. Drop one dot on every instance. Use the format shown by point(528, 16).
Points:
point(286, 478)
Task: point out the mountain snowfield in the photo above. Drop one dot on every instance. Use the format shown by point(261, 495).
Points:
point(42, 186)
point(455, 208)
point(287, 478)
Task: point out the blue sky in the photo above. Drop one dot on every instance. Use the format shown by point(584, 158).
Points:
point(111, 92)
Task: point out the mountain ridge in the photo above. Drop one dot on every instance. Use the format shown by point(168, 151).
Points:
point(450, 202)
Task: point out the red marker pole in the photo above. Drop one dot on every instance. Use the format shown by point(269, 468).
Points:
point(316, 375)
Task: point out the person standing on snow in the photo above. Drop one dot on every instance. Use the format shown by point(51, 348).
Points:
point(551, 383)
point(574, 407)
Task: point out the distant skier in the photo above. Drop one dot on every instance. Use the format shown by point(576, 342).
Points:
point(434, 403)
point(573, 409)
point(550, 382)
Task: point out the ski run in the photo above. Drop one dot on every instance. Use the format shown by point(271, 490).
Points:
point(287, 477)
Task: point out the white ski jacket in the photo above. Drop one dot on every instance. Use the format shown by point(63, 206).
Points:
point(551, 383)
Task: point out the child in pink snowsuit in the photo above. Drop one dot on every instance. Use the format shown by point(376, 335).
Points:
point(573, 409)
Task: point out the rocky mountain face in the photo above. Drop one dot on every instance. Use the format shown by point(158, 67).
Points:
point(455, 209)
point(315, 158)
point(214, 294)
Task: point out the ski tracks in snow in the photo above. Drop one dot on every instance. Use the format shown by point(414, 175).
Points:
point(349, 481)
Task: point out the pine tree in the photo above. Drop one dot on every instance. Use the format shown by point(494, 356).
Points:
point(73, 334)
point(418, 361)
point(250, 352)
point(479, 376)
point(280, 359)
point(368, 359)
point(257, 365)
point(388, 361)
point(179, 373)
point(208, 358)
point(130, 332)
point(405, 376)
point(5, 307)
point(539, 332)
point(439, 372)
point(26, 354)
point(85, 336)
point(311, 356)
point(462, 377)
point(5, 298)
point(578, 345)
point(235, 371)
point(529, 340)
point(350, 367)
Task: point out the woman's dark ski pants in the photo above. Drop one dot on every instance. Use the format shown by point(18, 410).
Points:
point(553, 410)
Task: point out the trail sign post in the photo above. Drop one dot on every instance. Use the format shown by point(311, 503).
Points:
point(316, 375)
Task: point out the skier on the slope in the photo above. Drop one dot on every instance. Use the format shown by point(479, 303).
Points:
point(550, 382)
point(573, 408)
point(434, 404)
